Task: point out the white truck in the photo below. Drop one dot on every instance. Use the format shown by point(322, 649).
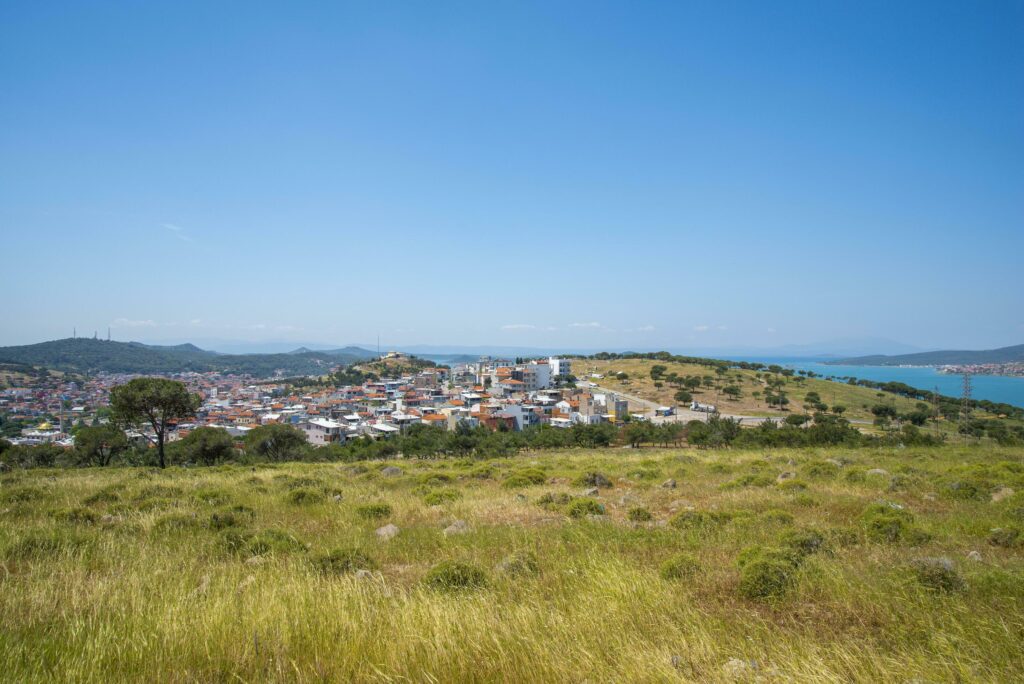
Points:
point(703, 408)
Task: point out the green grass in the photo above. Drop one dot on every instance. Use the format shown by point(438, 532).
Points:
point(226, 574)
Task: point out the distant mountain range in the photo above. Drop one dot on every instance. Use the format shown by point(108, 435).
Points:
point(84, 355)
point(940, 358)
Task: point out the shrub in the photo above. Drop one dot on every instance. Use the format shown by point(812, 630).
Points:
point(215, 497)
point(937, 574)
point(792, 485)
point(103, 496)
point(856, 475)
point(644, 474)
point(341, 561)
point(1006, 537)
point(639, 514)
point(820, 470)
point(273, 541)
point(221, 520)
point(442, 496)
point(455, 576)
point(765, 578)
point(679, 566)
point(304, 496)
point(516, 482)
point(374, 511)
point(885, 522)
point(435, 479)
point(584, 506)
point(777, 516)
point(700, 519)
point(803, 542)
point(594, 479)
point(158, 492)
point(520, 564)
point(23, 495)
point(553, 500)
point(76, 516)
point(965, 490)
point(176, 522)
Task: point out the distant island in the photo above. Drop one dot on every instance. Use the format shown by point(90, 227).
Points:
point(1002, 361)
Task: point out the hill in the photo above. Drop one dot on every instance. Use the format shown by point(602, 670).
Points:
point(83, 355)
point(776, 566)
point(939, 358)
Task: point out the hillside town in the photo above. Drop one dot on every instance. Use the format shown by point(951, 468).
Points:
point(499, 394)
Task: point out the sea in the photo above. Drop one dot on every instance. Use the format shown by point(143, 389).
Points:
point(996, 388)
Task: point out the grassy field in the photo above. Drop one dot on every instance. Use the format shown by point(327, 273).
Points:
point(244, 573)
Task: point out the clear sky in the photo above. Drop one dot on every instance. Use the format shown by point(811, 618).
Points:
point(591, 174)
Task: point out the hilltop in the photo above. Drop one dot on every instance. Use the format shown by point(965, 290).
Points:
point(852, 565)
point(1011, 354)
point(83, 355)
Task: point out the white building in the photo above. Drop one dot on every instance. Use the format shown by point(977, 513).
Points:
point(560, 366)
point(320, 431)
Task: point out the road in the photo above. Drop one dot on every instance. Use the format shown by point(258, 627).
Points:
point(682, 415)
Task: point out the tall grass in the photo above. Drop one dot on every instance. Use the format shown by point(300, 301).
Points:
point(150, 588)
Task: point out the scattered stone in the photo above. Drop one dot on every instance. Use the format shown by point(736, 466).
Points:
point(255, 560)
point(928, 497)
point(676, 662)
point(387, 532)
point(246, 582)
point(203, 587)
point(391, 471)
point(593, 491)
point(878, 471)
point(457, 527)
point(1001, 492)
point(363, 575)
point(788, 475)
point(521, 498)
point(735, 668)
point(835, 461)
point(4, 468)
point(669, 484)
point(974, 556)
point(108, 519)
point(628, 500)
point(595, 517)
point(336, 498)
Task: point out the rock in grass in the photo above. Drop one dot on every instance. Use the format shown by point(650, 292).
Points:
point(974, 556)
point(669, 484)
point(391, 471)
point(457, 527)
point(389, 531)
point(1002, 492)
point(788, 475)
point(878, 471)
point(593, 491)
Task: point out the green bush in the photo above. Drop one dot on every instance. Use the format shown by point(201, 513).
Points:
point(700, 519)
point(856, 475)
point(554, 500)
point(272, 541)
point(765, 578)
point(374, 511)
point(436, 479)
point(584, 506)
point(937, 574)
point(303, 496)
point(639, 514)
point(820, 470)
point(342, 561)
point(802, 542)
point(103, 496)
point(214, 497)
point(221, 520)
point(777, 516)
point(679, 566)
point(442, 496)
point(594, 479)
point(76, 516)
point(750, 480)
point(176, 522)
point(792, 485)
point(520, 564)
point(455, 576)
point(1006, 537)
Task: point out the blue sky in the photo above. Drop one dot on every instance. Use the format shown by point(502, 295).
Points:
point(590, 174)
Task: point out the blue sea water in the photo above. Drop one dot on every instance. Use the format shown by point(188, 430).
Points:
point(992, 387)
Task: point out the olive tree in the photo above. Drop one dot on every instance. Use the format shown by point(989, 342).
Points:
point(156, 402)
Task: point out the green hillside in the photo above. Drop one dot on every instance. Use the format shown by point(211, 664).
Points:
point(84, 355)
point(940, 358)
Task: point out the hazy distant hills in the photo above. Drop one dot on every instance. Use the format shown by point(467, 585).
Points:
point(940, 358)
point(85, 355)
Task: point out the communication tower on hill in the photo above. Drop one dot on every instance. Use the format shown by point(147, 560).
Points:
point(965, 409)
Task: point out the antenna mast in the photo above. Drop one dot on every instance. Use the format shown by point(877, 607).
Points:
point(965, 411)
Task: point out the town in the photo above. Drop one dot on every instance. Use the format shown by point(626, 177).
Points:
point(499, 394)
